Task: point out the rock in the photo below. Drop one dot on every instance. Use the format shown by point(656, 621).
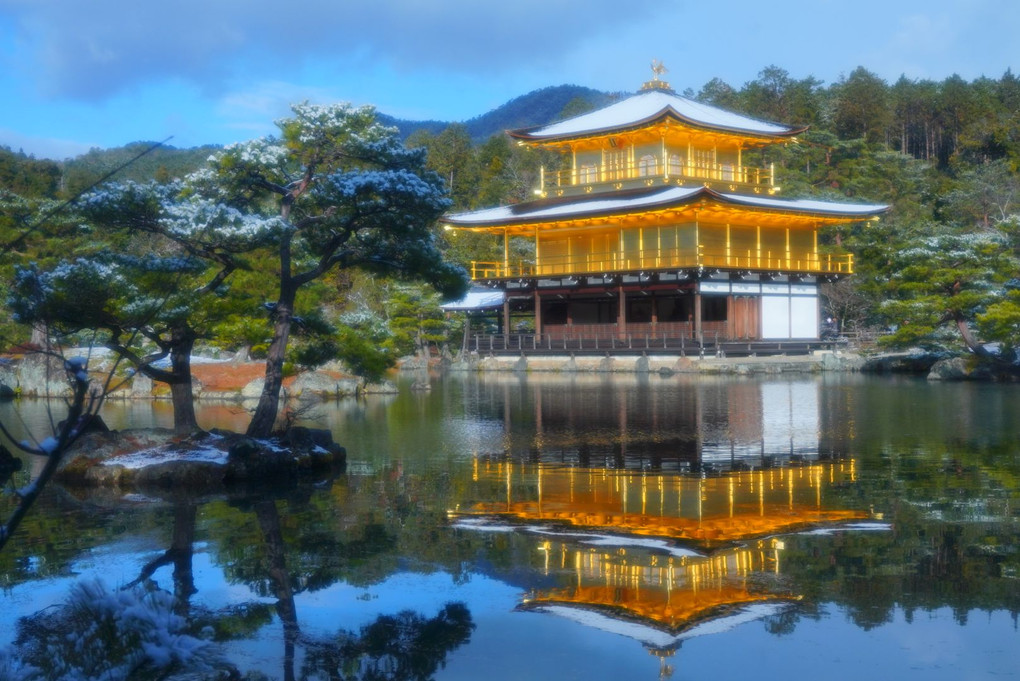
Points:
point(348, 387)
point(380, 388)
point(40, 376)
point(301, 438)
point(153, 459)
point(7, 393)
point(906, 363)
point(253, 390)
point(141, 386)
point(95, 424)
point(313, 384)
point(840, 361)
point(91, 460)
point(950, 369)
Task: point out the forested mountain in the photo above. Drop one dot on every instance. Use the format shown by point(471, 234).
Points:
point(944, 154)
point(535, 108)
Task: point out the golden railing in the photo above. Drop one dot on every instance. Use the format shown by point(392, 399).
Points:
point(605, 263)
point(723, 173)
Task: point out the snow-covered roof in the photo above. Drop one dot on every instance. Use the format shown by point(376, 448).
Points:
point(547, 210)
point(646, 107)
point(476, 299)
point(656, 637)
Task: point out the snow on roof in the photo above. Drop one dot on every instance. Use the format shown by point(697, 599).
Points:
point(484, 299)
point(808, 205)
point(647, 106)
point(587, 206)
point(656, 637)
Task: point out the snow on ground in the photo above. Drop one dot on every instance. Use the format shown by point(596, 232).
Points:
point(206, 451)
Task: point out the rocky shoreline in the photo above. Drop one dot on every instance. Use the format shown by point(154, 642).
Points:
point(228, 381)
point(933, 367)
point(154, 462)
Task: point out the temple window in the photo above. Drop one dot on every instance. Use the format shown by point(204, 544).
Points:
point(676, 164)
point(647, 165)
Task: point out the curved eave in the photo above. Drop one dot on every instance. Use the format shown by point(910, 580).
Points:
point(551, 211)
point(528, 134)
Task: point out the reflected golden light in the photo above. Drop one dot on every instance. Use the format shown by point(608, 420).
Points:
point(733, 507)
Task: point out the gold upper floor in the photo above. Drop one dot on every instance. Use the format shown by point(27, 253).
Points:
point(656, 156)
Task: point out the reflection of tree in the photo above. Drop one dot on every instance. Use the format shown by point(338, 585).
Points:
point(402, 647)
point(179, 555)
point(269, 521)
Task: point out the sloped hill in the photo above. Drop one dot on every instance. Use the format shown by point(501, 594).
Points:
point(535, 108)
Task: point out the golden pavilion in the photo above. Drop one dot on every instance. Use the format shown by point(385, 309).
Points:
point(660, 225)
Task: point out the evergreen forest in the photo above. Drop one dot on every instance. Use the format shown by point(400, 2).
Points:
point(939, 271)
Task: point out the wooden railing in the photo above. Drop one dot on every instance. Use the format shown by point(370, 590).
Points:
point(584, 340)
point(742, 176)
point(650, 260)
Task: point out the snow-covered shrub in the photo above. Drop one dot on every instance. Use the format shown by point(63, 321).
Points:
point(99, 633)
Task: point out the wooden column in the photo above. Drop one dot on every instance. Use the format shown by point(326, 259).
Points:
point(732, 326)
point(538, 313)
point(506, 316)
point(697, 314)
point(621, 313)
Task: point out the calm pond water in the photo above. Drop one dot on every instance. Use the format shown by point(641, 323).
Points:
point(532, 527)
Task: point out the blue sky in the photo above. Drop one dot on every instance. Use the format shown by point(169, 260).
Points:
point(82, 73)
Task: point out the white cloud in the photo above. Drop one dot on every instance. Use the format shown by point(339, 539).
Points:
point(42, 147)
point(90, 50)
point(254, 109)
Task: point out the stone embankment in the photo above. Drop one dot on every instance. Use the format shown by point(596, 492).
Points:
point(664, 364)
point(933, 366)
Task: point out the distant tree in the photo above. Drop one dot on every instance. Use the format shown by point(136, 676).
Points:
point(718, 93)
point(27, 176)
point(416, 320)
point(576, 107)
point(942, 285)
point(451, 155)
point(862, 107)
point(985, 195)
point(774, 95)
point(344, 193)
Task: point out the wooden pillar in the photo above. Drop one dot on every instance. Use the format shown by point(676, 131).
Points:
point(621, 313)
point(506, 316)
point(697, 314)
point(538, 313)
point(732, 327)
point(506, 253)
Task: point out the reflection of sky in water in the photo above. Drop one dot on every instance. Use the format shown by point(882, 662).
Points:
point(412, 436)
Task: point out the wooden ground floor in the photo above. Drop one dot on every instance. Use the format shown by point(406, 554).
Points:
point(637, 314)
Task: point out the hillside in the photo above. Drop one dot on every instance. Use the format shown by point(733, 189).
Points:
point(165, 162)
point(535, 108)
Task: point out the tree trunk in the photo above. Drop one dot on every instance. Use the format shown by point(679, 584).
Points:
point(181, 391)
point(264, 419)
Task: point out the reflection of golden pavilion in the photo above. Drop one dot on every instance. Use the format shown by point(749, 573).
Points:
point(668, 591)
point(738, 506)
